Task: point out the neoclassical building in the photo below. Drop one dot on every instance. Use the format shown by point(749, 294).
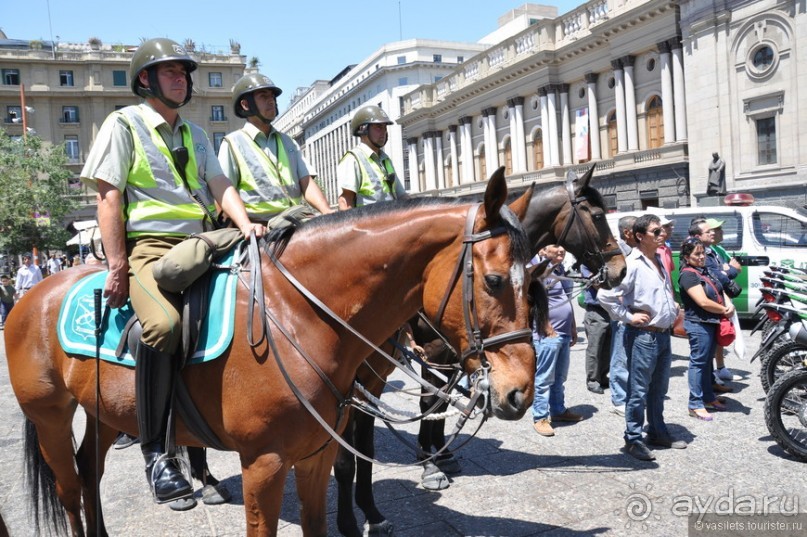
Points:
point(646, 90)
point(746, 68)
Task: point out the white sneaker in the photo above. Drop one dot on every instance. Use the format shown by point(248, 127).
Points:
point(725, 373)
point(618, 410)
point(717, 379)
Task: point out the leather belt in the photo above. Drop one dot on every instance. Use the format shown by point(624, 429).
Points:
point(651, 329)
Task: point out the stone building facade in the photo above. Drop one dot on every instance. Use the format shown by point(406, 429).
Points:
point(72, 88)
point(746, 70)
point(646, 90)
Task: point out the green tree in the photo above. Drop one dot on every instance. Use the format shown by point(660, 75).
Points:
point(35, 197)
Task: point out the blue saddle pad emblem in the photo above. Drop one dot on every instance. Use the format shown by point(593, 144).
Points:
point(76, 324)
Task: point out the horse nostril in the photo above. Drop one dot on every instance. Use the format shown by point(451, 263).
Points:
point(516, 399)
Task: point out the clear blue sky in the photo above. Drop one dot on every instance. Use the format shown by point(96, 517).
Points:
point(296, 41)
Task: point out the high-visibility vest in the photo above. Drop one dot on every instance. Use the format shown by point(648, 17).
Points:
point(266, 187)
point(157, 202)
point(375, 179)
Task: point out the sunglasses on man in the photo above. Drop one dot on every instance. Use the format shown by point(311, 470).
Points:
point(656, 232)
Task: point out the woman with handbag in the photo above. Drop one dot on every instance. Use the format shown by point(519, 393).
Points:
point(706, 306)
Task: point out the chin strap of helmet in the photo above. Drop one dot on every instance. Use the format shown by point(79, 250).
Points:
point(364, 131)
point(154, 89)
point(252, 108)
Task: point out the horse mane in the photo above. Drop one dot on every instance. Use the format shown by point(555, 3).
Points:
point(278, 239)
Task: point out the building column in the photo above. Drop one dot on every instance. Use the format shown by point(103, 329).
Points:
point(518, 144)
point(679, 90)
point(414, 181)
point(491, 144)
point(513, 145)
point(593, 116)
point(521, 140)
point(452, 149)
point(619, 96)
point(552, 111)
point(667, 103)
point(545, 137)
point(565, 124)
point(428, 161)
point(467, 150)
point(630, 104)
point(438, 157)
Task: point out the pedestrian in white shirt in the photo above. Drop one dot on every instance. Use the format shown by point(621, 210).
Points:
point(54, 265)
point(28, 276)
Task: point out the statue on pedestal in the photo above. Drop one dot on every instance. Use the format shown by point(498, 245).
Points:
point(717, 177)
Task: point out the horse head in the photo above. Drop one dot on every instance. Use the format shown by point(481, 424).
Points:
point(484, 303)
point(573, 215)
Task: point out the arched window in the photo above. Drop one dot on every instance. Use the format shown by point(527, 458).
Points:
point(508, 157)
point(613, 144)
point(538, 150)
point(483, 171)
point(655, 123)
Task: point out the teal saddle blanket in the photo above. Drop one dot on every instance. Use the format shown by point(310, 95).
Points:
point(76, 325)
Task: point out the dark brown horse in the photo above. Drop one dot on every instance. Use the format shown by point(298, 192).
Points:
point(572, 215)
point(374, 267)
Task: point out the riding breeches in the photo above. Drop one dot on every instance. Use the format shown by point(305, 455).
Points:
point(158, 310)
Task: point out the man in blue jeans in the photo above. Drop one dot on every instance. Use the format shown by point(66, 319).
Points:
point(552, 349)
point(618, 371)
point(648, 309)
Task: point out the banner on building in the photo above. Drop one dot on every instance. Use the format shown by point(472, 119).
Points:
point(581, 135)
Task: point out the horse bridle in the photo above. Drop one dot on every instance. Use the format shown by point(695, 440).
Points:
point(589, 253)
point(477, 343)
point(482, 383)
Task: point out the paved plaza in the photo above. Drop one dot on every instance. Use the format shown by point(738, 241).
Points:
point(513, 482)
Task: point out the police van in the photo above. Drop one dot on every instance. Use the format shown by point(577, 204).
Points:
point(756, 235)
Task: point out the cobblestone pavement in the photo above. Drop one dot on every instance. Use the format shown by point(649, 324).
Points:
point(513, 482)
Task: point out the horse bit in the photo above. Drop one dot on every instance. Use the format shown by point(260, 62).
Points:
point(476, 342)
point(591, 250)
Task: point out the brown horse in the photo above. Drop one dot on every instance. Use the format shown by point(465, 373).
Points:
point(374, 267)
point(572, 215)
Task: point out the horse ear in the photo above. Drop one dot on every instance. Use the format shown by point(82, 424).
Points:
point(582, 182)
point(495, 196)
point(520, 205)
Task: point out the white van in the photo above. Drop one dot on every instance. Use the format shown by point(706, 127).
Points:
point(757, 235)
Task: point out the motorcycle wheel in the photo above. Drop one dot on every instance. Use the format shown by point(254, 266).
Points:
point(786, 413)
point(780, 360)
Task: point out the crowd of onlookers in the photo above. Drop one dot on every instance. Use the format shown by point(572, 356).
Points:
point(28, 275)
point(628, 330)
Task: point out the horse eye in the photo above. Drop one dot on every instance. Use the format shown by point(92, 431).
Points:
point(494, 283)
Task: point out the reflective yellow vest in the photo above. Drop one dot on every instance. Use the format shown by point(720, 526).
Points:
point(157, 202)
point(377, 182)
point(266, 187)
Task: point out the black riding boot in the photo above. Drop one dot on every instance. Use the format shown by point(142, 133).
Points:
point(154, 375)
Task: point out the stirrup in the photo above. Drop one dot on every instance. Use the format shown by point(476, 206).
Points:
point(182, 463)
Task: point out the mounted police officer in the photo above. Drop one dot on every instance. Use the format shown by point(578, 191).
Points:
point(266, 166)
point(157, 178)
point(365, 173)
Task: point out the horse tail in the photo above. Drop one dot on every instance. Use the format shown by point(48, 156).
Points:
point(41, 482)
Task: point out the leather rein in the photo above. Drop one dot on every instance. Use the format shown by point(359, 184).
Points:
point(592, 251)
point(476, 341)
